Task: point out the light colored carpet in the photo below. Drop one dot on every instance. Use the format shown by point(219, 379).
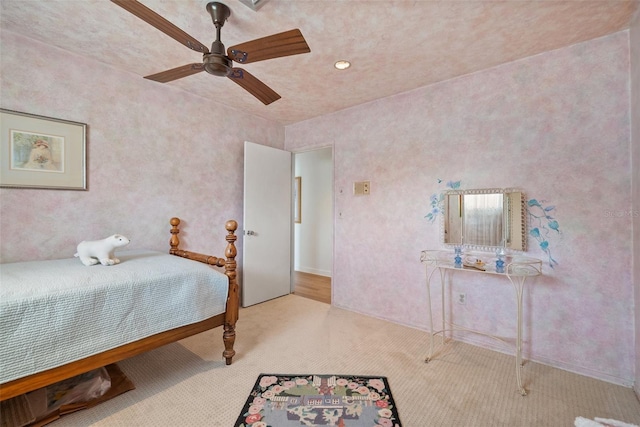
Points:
point(188, 384)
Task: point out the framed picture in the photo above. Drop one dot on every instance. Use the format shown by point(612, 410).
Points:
point(297, 199)
point(41, 152)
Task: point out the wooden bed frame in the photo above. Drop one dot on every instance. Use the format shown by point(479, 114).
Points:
point(227, 319)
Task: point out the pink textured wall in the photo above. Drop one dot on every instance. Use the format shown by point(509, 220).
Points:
point(635, 144)
point(153, 152)
point(555, 125)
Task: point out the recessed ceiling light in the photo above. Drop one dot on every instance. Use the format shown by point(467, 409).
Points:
point(342, 65)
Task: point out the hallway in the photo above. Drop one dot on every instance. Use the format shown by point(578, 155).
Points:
point(313, 286)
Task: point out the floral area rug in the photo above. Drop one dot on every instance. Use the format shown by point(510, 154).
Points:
point(319, 400)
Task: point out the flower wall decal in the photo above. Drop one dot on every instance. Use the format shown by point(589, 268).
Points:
point(543, 226)
point(436, 199)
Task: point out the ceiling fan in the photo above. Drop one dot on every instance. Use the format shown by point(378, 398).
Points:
point(215, 61)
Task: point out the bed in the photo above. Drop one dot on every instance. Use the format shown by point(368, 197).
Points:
point(59, 318)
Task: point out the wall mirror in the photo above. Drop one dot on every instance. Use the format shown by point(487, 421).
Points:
point(485, 219)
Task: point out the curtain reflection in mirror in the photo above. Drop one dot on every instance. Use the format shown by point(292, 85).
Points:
point(483, 215)
point(484, 219)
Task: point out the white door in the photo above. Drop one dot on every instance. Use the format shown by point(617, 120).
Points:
point(266, 271)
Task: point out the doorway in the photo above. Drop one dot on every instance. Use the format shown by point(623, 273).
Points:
point(313, 225)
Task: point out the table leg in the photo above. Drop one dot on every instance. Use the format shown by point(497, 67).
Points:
point(519, 286)
point(432, 338)
point(443, 324)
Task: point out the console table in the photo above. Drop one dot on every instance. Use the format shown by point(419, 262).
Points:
point(516, 268)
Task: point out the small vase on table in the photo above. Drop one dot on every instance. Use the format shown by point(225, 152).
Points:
point(457, 260)
point(500, 255)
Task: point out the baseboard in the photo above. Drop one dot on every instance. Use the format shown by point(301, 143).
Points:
point(314, 271)
point(489, 344)
point(580, 370)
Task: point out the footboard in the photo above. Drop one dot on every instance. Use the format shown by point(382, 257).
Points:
point(229, 264)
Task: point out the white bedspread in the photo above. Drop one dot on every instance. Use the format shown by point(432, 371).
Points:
point(56, 312)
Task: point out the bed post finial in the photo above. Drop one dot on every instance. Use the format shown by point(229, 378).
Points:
point(174, 242)
point(231, 226)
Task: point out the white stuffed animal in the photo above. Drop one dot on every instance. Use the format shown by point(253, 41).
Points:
point(93, 251)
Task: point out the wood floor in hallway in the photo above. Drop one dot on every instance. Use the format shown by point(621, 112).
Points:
point(313, 286)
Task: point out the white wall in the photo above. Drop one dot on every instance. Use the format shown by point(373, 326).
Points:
point(314, 235)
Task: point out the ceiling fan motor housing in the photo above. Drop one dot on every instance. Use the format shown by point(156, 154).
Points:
point(218, 65)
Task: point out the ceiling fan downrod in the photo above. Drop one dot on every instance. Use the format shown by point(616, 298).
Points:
point(216, 62)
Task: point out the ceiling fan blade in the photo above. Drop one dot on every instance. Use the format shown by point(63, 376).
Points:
point(282, 44)
point(152, 18)
point(254, 86)
point(176, 73)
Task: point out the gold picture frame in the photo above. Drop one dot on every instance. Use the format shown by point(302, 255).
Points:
point(297, 200)
point(41, 152)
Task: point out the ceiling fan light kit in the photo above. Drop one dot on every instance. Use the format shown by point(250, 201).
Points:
point(215, 61)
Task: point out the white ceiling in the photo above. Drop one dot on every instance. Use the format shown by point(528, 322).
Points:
point(394, 46)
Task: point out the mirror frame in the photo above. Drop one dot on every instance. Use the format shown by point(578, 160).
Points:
point(520, 211)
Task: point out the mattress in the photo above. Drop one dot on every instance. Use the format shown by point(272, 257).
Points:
point(59, 311)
